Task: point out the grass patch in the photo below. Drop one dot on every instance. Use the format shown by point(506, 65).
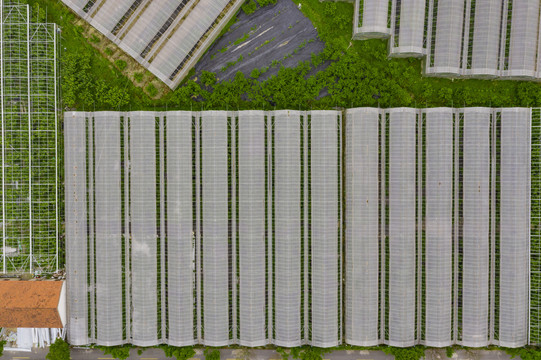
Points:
point(121, 64)
point(151, 90)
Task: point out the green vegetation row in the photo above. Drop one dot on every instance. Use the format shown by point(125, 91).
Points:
point(60, 351)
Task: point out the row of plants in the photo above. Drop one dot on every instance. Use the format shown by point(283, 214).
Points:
point(60, 350)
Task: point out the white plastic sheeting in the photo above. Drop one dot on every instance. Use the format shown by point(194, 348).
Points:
point(523, 38)
point(287, 221)
point(325, 228)
point(408, 27)
point(486, 38)
point(108, 227)
point(514, 226)
point(171, 35)
point(180, 229)
point(476, 212)
point(144, 264)
point(362, 227)
point(371, 19)
point(402, 234)
point(215, 237)
point(251, 196)
point(76, 227)
point(447, 45)
point(301, 211)
point(438, 226)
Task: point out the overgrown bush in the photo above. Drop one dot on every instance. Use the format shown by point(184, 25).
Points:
point(265, 2)
point(249, 7)
point(180, 353)
point(2, 343)
point(211, 353)
point(255, 73)
point(138, 77)
point(59, 350)
point(121, 64)
point(449, 351)
point(108, 51)
point(303, 353)
point(525, 353)
point(411, 353)
point(117, 352)
point(151, 90)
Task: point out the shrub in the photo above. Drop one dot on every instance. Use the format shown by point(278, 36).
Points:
point(117, 352)
point(265, 2)
point(2, 343)
point(180, 353)
point(330, 9)
point(211, 354)
point(208, 78)
point(255, 73)
point(138, 76)
point(249, 7)
point(151, 90)
point(411, 353)
point(449, 351)
point(94, 39)
point(525, 353)
point(108, 51)
point(121, 64)
point(59, 350)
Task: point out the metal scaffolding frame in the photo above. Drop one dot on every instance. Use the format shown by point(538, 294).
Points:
point(29, 140)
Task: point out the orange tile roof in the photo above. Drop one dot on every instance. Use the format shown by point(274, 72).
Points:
point(30, 304)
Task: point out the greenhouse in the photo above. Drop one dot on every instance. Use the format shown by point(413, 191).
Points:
point(166, 37)
point(213, 213)
point(482, 39)
point(29, 111)
point(222, 228)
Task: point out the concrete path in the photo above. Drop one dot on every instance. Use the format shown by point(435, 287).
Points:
point(235, 354)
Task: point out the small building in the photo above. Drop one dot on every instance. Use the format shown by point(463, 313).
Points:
point(32, 313)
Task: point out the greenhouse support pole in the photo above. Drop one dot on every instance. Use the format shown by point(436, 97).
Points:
point(492, 227)
point(91, 217)
point(306, 227)
point(197, 120)
point(529, 277)
point(383, 219)
point(29, 111)
point(456, 116)
point(162, 227)
point(528, 280)
point(341, 201)
point(233, 122)
point(55, 28)
point(127, 225)
point(270, 258)
point(4, 267)
point(466, 36)
point(419, 223)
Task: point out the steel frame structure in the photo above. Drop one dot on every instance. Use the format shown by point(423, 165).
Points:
point(29, 111)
